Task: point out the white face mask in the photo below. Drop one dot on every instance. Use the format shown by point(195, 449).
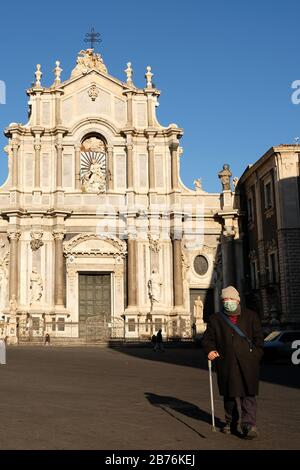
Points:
point(230, 305)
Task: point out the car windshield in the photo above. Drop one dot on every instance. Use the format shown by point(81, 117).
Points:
point(272, 336)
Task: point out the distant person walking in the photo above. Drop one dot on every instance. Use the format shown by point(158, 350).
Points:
point(159, 342)
point(2, 351)
point(47, 339)
point(153, 340)
point(234, 340)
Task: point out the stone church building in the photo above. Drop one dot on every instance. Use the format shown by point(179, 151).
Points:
point(99, 237)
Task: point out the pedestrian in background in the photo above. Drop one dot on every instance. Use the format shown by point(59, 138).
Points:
point(234, 340)
point(159, 342)
point(47, 339)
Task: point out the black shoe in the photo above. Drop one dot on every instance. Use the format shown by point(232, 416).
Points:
point(249, 432)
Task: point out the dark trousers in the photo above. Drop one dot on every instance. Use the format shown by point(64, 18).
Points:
point(248, 408)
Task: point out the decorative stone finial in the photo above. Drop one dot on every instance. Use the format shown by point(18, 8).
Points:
point(57, 72)
point(129, 73)
point(38, 75)
point(225, 175)
point(149, 76)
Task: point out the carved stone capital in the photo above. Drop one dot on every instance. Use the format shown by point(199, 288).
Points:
point(58, 235)
point(174, 146)
point(13, 235)
point(59, 146)
point(154, 243)
point(15, 145)
point(37, 147)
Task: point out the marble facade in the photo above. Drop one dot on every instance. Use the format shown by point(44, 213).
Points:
point(94, 187)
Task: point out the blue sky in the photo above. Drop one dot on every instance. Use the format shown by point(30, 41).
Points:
point(225, 68)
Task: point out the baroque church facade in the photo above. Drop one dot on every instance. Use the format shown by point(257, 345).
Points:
point(99, 237)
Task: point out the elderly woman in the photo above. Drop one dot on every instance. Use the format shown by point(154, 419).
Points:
point(234, 340)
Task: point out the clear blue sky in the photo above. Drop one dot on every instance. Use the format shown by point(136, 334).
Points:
point(225, 68)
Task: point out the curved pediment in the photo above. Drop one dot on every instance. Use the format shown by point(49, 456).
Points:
point(92, 244)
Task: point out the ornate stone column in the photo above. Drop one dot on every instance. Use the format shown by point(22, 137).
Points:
point(151, 166)
point(174, 165)
point(59, 149)
point(150, 109)
point(129, 150)
point(177, 274)
point(131, 272)
point(228, 259)
point(77, 167)
point(37, 165)
point(58, 236)
point(57, 108)
point(15, 171)
point(13, 236)
point(110, 157)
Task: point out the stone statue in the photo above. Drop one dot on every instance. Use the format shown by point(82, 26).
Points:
point(13, 305)
point(86, 61)
point(225, 176)
point(93, 144)
point(200, 326)
point(95, 179)
point(154, 285)
point(235, 181)
point(198, 185)
point(36, 286)
point(198, 310)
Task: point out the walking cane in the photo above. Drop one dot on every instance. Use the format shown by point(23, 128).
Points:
point(211, 397)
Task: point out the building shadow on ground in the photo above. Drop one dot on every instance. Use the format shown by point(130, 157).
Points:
point(276, 373)
point(173, 406)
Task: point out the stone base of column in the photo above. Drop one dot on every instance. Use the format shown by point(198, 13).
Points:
point(60, 309)
point(132, 310)
point(179, 310)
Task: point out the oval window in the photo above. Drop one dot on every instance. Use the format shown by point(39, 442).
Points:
point(200, 265)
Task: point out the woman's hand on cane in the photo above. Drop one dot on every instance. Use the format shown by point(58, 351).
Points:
point(213, 355)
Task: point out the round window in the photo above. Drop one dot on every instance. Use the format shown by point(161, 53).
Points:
point(200, 265)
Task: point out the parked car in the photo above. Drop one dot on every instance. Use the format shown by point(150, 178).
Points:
point(278, 345)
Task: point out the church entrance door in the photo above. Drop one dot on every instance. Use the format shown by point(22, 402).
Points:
point(94, 305)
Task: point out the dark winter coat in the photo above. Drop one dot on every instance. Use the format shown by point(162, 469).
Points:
point(237, 367)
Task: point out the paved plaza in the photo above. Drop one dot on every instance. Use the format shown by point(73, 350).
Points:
point(131, 398)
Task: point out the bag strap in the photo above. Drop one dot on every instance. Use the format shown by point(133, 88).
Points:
point(237, 330)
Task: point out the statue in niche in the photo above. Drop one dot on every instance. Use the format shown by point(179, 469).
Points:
point(199, 325)
point(36, 286)
point(93, 165)
point(225, 175)
point(198, 310)
point(154, 285)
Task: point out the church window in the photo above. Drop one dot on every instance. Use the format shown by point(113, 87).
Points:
point(201, 265)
